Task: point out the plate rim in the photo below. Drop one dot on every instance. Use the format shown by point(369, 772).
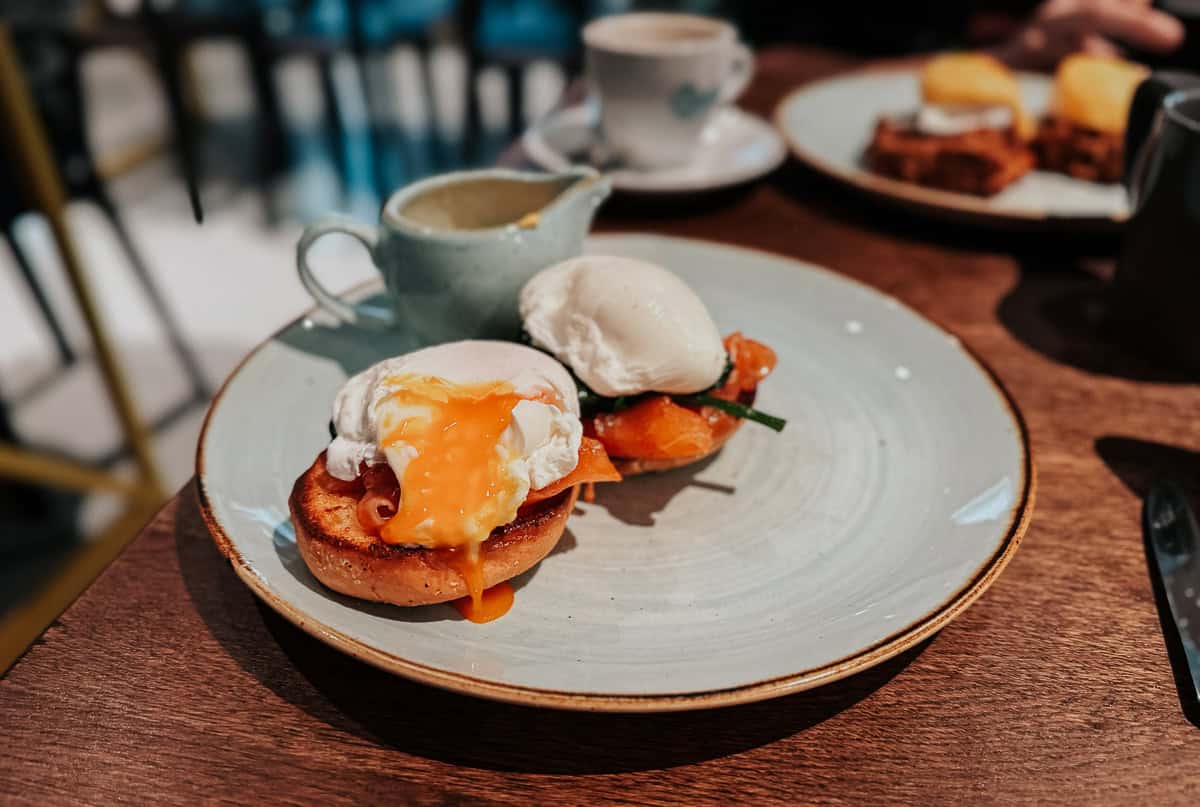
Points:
point(542, 154)
point(946, 204)
point(888, 647)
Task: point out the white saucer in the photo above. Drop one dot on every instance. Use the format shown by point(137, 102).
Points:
point(736, 147)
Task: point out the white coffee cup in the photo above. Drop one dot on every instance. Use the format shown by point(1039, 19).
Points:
point(658, 79)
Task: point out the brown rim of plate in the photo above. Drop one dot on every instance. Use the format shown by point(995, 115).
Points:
point(881, 651)
point(947, 204)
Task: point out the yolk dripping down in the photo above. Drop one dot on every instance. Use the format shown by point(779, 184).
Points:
point(483, 605)
point(457, 487)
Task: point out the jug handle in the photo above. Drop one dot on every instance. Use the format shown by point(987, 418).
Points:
point(1142, 129)
point(343, 310)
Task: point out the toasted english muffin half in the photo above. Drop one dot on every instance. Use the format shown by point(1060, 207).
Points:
point(351, 561)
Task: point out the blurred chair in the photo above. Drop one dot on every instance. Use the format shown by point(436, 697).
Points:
point(379, 30)
point(273, 34)
point(52, 68)
point(268, 31)
point(27, 147)
point(12, 206)
point(367, 104)
point(170, 33)
point(508, 34)
point(364, 103)
point(512, 34)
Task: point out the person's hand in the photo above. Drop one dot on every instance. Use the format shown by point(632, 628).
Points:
point(1061, 27)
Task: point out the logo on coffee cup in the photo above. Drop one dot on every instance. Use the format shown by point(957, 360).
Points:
point(688, 102)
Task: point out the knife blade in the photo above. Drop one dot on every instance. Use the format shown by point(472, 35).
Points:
point(1174, 542)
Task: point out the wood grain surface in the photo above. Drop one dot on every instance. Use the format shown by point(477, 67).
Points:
point(167, 682)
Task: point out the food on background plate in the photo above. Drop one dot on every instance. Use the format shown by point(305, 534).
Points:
point(970, 133)
point(658, 385)
point(452, 470)
point(1084, 134)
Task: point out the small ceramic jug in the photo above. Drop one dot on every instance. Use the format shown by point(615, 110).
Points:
point(454, 250)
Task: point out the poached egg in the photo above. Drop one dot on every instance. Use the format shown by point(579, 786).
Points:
point(962, 92)
point(935, 119)
point(468, 428)
point(624, 326)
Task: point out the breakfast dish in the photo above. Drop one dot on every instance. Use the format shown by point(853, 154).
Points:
point(895, 496)
point(1084, 133)
point(660, 388)
point(831, 125)
point(453, 469)
point(968, 135)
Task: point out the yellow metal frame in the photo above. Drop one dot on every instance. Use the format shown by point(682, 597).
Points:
point(33, 159)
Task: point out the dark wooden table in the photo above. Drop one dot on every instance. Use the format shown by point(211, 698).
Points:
point(167, 681)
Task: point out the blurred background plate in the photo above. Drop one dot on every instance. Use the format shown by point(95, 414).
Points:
point(896, 494)
point(829, 124)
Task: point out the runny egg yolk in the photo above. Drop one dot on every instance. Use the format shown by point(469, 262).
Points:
point(457, 486)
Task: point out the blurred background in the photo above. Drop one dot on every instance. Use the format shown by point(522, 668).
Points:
point(127, 123)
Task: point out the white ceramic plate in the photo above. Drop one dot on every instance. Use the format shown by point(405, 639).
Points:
point(893, 498)
point(829, 124)
point(735, 147)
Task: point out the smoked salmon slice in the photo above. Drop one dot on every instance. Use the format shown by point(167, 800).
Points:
point(594, 466)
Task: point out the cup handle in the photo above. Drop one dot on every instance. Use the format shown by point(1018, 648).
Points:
point(347, 312)
point(741, 70)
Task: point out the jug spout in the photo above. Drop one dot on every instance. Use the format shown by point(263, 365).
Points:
point(584, 189)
